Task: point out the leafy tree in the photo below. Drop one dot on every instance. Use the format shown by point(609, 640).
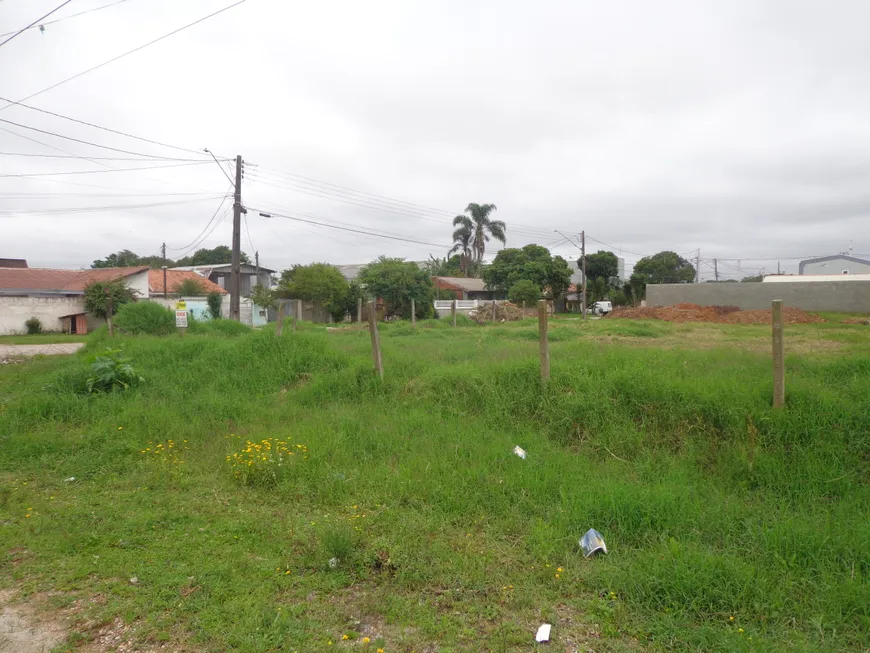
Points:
point(601, 265)
point(318, 282)
point(665, 267)
point(753, 279)
point(125, 258)
point(264, 297)
point(524, 291)
point(214, 300)
point(354, 292)
point(534, 263)
point(97, 294)
point(397, 282)
point(190, 288)
point(220, 255)
point(462, 238)
point(480, 227)
point(635, 289)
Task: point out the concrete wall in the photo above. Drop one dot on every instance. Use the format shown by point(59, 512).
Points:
point(198, 307)
point(139, 283)
point(836, 296)
point(15, 311)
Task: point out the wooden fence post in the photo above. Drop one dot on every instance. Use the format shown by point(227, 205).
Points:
point(778, 356)
point(493, 310)
point(109, 316)
point(413, 313)
point(376, 341)
point(297, 314)
point(544, 342)
point(453, 312)
point(359, 309)
point(279, 327)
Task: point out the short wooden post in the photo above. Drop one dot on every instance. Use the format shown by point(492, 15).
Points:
point(493, 310)
point(453, 311)
point(544, 342)
point(413, 313)
point(376, 341)
point(359, 309)
point(109, 315)
point(279, 327)
point(778, 356)
point(297, 314)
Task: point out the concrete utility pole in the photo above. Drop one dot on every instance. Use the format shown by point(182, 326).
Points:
point(583, 257)
point(716, 268)
point(165, 290)
point(235, 312)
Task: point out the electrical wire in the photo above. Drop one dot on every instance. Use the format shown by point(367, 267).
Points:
point(358, 231)
point(91, 158)
point(91, 172)
point(208, 235)
point(23, 29)
point(120, 56)
point(95, 126)
point(90, 209)
point(217, 210)
point(63, 18)
point(248, 231)
point(78, 140)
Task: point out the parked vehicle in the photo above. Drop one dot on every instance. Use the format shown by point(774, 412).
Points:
point(602, 307)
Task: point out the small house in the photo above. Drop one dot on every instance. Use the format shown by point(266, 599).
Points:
point(464, 287)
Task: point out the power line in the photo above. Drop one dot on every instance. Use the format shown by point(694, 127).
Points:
point(63, 18)
point(208, 235)
point(90, 209)
point(91, 172)
point(248, 231)
point(120, 56)
point(217, 210)
point(90, 124)
point(60, 6)
point(358, 231)
point(91, 158)
point(78, 140)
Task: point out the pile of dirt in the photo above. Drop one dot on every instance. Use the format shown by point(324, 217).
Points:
point(720, 314)
point(504, 312)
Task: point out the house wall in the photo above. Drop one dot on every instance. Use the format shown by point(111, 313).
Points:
point(835, 267)
point(138, 283)
point(836, 296)
point(15, 311)
point(247, 279)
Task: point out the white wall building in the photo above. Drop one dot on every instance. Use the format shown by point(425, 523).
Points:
point(841, 264)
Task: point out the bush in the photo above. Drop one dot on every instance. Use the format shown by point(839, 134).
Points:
point(214, 299)
point(34, 326)
point(146, 318)
point(525, 292)
point(97, 296)
point(112, 373)
point(190, 288)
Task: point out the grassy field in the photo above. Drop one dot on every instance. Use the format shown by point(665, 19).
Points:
point(731, 527)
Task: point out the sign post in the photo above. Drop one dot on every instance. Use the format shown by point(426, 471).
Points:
point(181, 316)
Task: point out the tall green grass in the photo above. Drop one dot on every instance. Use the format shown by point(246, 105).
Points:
point(713, 505)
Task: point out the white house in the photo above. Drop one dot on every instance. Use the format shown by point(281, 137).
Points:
point(839, 264)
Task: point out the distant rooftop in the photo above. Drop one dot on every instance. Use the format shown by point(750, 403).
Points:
point(468, 284)
point(13, 263)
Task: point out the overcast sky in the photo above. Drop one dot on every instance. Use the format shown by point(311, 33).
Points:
point(740, 127)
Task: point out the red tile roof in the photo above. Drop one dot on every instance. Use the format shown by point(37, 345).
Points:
point(73, 281)
point(174, 279)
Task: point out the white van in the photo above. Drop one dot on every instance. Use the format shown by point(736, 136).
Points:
point(602, 307)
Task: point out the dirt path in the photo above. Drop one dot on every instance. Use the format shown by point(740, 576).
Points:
point(26, 351)
point(22, 632)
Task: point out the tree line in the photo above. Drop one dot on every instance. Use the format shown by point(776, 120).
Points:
point(220, 255)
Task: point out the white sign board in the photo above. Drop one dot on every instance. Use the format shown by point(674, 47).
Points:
point(181, 319)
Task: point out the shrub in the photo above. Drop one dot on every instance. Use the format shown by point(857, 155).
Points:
point(190, 288)
point(214, 299)
point(97, 296)
point(218, 327)
point(34, 326)
point(524, 291)
point(112, 373)
point(146, 318)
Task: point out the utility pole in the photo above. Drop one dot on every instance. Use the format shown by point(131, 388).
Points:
point(164, 272)
point(716, 268)
point(257, 261)
point(583, 257)
point(698, 267)
point(235, 313)
point(778, 269)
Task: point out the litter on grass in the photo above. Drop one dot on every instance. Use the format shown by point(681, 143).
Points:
point(592, 542)
point(333, 563)
point(543, 634)
point(520, 452)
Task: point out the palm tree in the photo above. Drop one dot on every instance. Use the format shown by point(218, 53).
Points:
point(481, 227)
point(462, 238)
